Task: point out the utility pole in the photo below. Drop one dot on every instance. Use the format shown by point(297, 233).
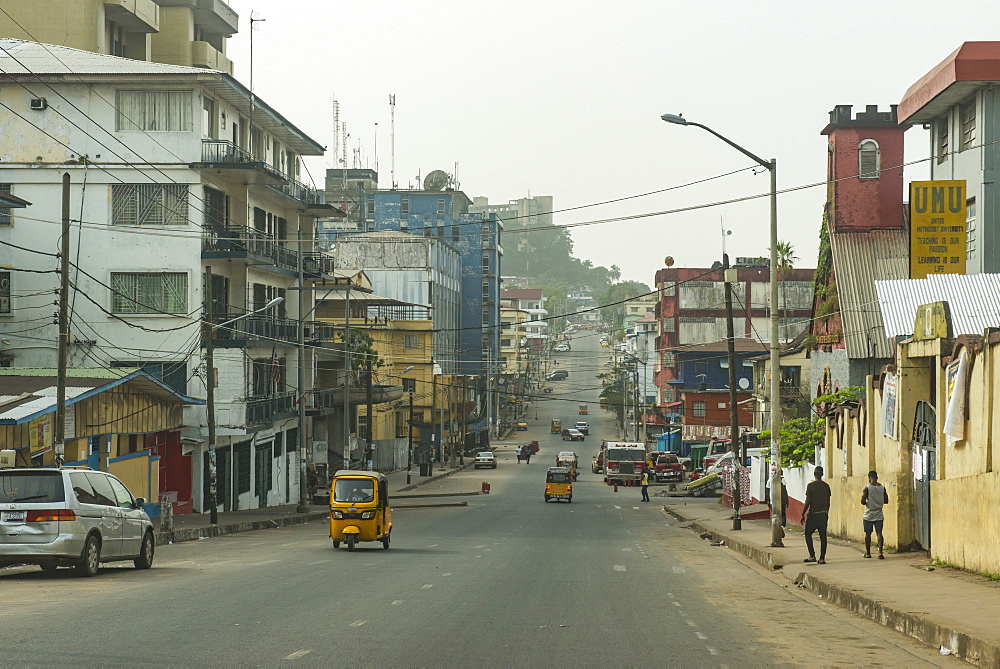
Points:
point(209, 332)
point(305, 448)
point(347, 375)
point(729, 278)
point(370, 400)
point(59, 429)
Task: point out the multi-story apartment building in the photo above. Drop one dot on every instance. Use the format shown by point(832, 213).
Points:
point(532, 302)
point(178, 230)
point(174, 32)
point(691, 309)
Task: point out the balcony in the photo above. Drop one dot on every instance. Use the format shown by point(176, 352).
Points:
point(258, 327)
point(240, 242)
point(326, 400)
point(316, 263)
point(265, 409)
point(137, 16)
point(221, 155)
point(205, 55)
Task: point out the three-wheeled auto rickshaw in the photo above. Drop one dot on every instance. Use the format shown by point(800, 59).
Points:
point(558, 484)
point(583, 410)
point(569, 461)
point(556, 426)
point(359, 508)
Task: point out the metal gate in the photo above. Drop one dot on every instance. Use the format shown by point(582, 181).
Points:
point(924, 470)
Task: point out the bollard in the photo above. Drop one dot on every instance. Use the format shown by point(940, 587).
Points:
point(486, 488)
point(166, 514)
point(616, 487)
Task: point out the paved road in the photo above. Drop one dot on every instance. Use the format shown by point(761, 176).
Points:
point(507, 581)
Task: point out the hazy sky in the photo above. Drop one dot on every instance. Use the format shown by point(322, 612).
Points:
point(564, 99)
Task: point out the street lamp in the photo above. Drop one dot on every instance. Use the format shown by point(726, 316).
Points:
point(208, 331)
point(775, 397)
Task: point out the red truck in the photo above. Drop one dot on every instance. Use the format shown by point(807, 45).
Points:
point(668, 467)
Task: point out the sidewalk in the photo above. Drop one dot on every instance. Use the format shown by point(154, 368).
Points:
point(939, 606)
point(195, 526)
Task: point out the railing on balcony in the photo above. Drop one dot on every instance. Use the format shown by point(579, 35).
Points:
point(264, 409)
point(255, 327)
point(299, 191)
point(243, 240)
point(223, 152)
point(316, 262)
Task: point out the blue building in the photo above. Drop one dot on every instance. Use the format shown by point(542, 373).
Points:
point(443, 214)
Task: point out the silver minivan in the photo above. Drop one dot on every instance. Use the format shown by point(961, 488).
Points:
point(71, 517)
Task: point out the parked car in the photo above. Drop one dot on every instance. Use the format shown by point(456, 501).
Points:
point(668, 467)
point(582, 426)
point(597, 466)
point(557, 375)
point(485, 459)
point(572, 435)
point(71, 517)
point(522, 425)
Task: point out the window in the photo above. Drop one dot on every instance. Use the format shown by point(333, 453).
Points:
point(404, 209)
point(149, 204)
point(486, 262)
point(440, 206)
point(700, 366)
point(669, 359)
point(363, 427)
point(454, 233)
point(486, 289)
point(208, 118)
point(5, 217)
point(151, 111)
point(868, 159)
point(505, 343)
point(410, 342)
point(149, 293)
point(669, 395)
point(943, 130)
point(370, 213)
point(216, 208)
point(400, 425)
point(4, 292)
point(967, 117)
point(698, 409)
point(970, 228)
point(486, 317)
point(669, 325)
point(409, 385)
point(173, 374)
point(669, 289)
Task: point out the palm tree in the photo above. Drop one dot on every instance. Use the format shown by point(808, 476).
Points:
point(786, 263)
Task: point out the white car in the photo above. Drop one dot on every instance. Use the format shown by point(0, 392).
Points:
point(485, 459)
point(561, 348)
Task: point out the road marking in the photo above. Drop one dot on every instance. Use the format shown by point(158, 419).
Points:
point(447, 573)
point(434, 545)
point(313, 564)
point(617, 507)
point(692, 623)
point(297, 654)
point(676, 603)
point(701, 636)
point(426, 586)
point(670, 595)
point(358, 623)
point(396, 602)
point(619, 567)
point(635, 508)
point(712, 651)
point(480, 546)
point(625, 550)
point(678, 570)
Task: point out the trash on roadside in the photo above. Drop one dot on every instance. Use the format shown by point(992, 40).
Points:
point(945, 651)
point(716, 543)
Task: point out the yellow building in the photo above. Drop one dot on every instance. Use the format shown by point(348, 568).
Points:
point(175, 32)
point(512, 332)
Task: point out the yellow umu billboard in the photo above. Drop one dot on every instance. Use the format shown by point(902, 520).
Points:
point(937, 228)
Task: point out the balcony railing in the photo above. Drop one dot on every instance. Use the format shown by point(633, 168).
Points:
point(265, 409)
point(223, 152)
point(299, 191)
point(241, 240)
point(253, 328)
point(315, 262)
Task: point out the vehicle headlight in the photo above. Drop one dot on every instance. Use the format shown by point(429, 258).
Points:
point(367, 515)
point(338, 515)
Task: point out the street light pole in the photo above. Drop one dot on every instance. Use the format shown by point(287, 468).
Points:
point(208, 333)
point(775, 396)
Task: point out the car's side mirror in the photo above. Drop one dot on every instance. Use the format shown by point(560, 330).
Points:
point(139, 502)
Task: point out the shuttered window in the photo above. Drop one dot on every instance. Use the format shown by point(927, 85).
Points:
point(868, 159)
point(149, 204)
point(967, 117)
point(5, 217)
point(149, 293)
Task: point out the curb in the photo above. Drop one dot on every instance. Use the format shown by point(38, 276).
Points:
point(196, 533)
point(431, 479)
point(965, 646)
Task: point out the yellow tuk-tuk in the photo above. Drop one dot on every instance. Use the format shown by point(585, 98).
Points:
point(604, 403)
point(583, 409)
point(556, 427)
point(359, 508)
point(558, 484)
point(569, 461)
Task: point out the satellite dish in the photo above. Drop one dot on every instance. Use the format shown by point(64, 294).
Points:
point(669, 261)
point(436, 180)
point(744, 383)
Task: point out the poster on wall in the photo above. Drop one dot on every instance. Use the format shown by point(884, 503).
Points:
point(889, 405)
point(937, 228)
point(954, 418)
point(40, 435)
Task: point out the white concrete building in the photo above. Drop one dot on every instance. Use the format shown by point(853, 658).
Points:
point(174, 172)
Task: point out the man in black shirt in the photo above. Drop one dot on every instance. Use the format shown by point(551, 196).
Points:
point(818, 509)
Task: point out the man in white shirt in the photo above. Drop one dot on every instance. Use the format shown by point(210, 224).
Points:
point(873, 499)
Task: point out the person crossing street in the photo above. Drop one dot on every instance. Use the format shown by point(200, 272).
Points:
point(645, 486)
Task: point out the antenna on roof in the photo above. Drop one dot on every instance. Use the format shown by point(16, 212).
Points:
point(392, 139)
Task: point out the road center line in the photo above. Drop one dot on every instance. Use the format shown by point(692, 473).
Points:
point(427, 586)
point(358, 623)
point(621, 567)
point(701, 636)
point(296, 655)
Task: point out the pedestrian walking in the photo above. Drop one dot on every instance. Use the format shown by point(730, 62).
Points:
point(519, 453)
point(873, 499)
point(645, 485)
point(527, 455)
point(816, 514)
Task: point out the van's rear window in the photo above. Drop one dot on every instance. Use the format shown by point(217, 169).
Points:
point(31, 486)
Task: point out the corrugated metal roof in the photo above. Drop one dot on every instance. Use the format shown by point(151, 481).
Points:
point(859, 260)
point(23, 57)
point(974, 301)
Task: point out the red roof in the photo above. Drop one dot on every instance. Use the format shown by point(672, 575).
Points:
point(973, 63)
point(521, 294)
